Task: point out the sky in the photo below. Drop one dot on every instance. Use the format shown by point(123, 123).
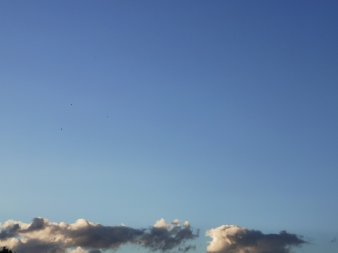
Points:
point(216, 112)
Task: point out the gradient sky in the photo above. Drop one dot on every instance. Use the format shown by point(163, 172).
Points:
point(219, 112)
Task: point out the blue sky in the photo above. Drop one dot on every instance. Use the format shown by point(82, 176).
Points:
point(219, 112)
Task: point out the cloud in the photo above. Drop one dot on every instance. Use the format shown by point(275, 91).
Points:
point(165, 236)
point(9, 232)
point(234, 239)
point(43, 236)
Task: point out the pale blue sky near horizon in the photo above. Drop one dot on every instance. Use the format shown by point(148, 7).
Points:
point(217, 112)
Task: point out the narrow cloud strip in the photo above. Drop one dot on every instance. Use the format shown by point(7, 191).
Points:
point(43, 236)
point(234, 239)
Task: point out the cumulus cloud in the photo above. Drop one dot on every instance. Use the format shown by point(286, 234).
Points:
point(43, 236)
point(164, 236)
point(234, 239)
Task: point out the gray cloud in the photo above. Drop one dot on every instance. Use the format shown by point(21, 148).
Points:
point(42, 236)
point(10, 231)
point(164, 239)
point(234, 239)
point(35, 245)
point(37, 224)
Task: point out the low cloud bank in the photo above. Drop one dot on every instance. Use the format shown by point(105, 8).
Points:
point(234, 239)
point(43, 236)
